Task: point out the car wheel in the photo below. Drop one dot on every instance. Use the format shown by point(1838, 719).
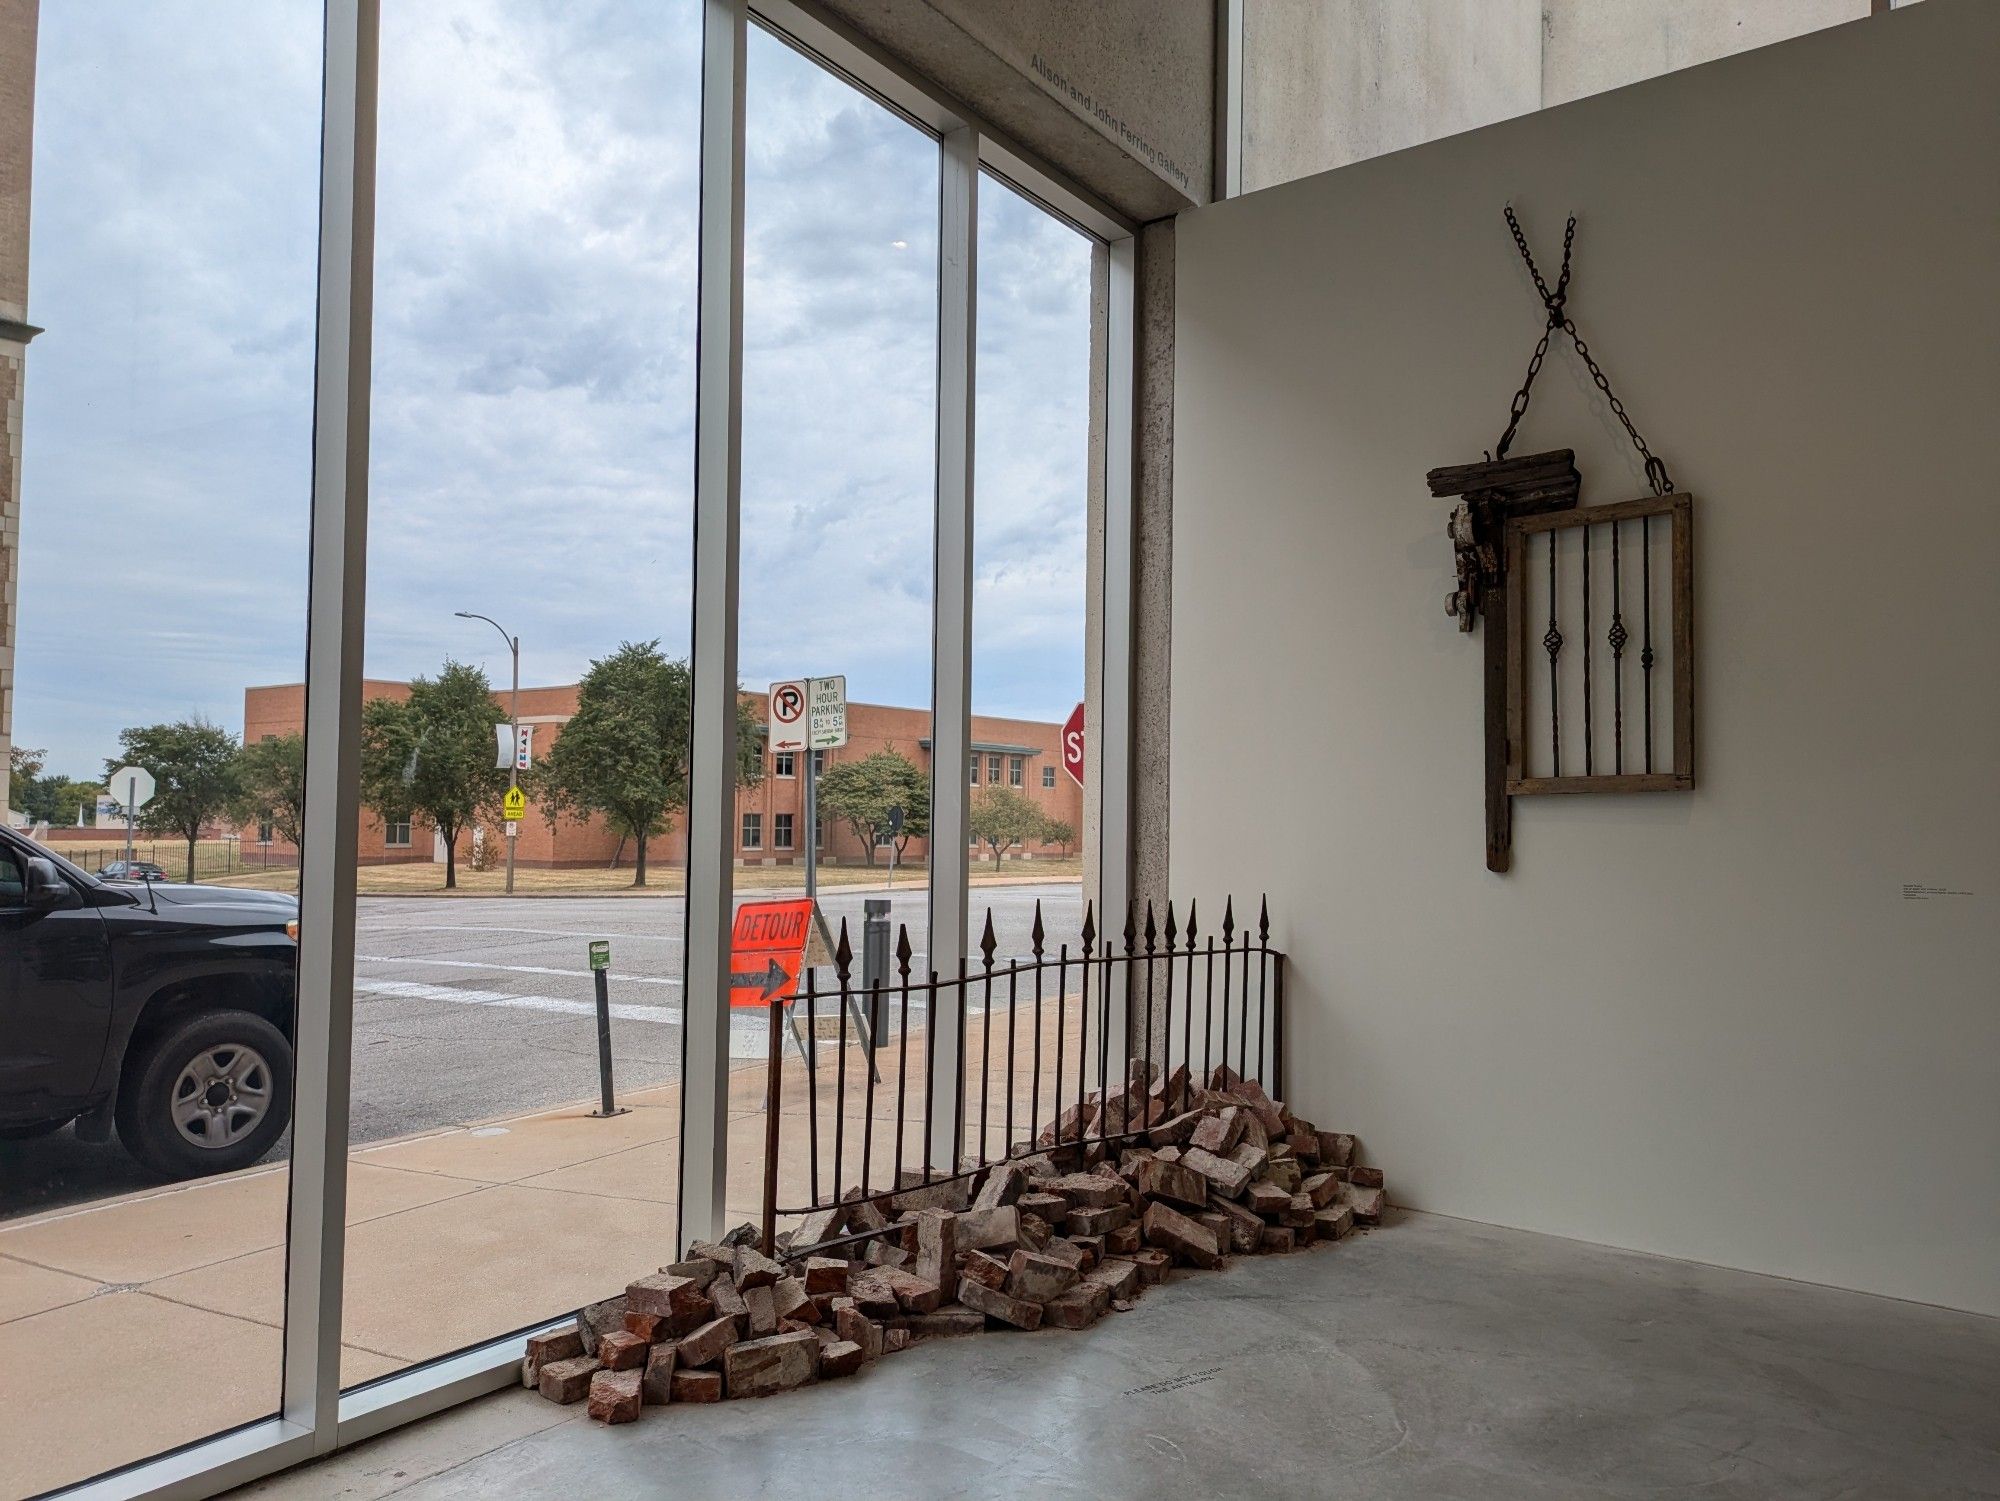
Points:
point(208, 1095)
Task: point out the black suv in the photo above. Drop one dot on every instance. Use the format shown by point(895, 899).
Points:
point(165, 1010)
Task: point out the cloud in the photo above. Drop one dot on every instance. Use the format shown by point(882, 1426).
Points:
point(533, 417)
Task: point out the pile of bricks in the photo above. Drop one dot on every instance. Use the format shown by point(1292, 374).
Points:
point(1166, 1175)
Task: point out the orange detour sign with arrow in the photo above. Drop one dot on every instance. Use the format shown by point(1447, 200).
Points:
point(767, 949)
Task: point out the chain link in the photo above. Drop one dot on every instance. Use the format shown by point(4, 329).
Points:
point(1559, 319)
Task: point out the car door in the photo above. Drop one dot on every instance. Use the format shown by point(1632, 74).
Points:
point(55, 997)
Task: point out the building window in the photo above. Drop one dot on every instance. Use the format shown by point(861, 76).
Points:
point(1016, 766)
point(819, 835)
point(781, 831)
point(1048, 776)
point(993, 771)
point(819, 762)
point(975, 769)
point(753, 831)
point(784, 764)
point(394, 835)
point(263, 833)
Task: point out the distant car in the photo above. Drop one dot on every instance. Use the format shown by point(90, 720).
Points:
point(165, 1012)
point(131, 870)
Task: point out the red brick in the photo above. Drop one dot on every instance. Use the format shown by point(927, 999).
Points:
point(658, 1383)
point(763, 1305)
point(1170, 1230)
point(759, 1367)
point(752, 1268)
point(1365, 1177)
point(697, 1386)
point(793, 1302)
point(568, 1381)
point(1227, 1178)
point(705, 1345)
point(1016, 1311)
point(616, 1396)
point(621, 1350)
point(546, 1349)
point(1172, 1180)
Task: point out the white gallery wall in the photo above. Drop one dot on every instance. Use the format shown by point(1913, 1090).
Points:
point(1715, 1025)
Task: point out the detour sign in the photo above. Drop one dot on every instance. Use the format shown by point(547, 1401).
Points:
point(767, 949)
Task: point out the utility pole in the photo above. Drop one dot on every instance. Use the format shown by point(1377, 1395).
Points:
point(513, 826)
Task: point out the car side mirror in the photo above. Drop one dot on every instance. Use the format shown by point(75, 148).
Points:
point(46, 889)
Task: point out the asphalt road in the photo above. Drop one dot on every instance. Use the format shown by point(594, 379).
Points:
point(467, 1009)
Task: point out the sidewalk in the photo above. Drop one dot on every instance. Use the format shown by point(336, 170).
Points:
point(150, 1320)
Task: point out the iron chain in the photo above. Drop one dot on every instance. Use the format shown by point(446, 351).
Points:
point(1559, 319)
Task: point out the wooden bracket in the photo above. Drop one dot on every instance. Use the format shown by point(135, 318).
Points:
point(1494, 492)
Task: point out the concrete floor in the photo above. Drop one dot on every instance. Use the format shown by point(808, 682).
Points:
point(1434, 1358)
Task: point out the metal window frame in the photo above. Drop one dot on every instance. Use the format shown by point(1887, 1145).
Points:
point(316, 1416)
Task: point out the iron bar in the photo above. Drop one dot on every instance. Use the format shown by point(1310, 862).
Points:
point(1086, 952)
point(1208, 1014)
point(1616, 638)
point(1552, 643)
point(958, 1103)
point(811, 1051)
point(1167, 1015)
point(1278, 1027)
point(1243, 1027)
point(1035, 1085)
point(1062, 1026)
point(1146, 1052)
point(1013, 976)
point(868, 1100)
point(842, 959)
point(1584, 532)
point(930, 1070)
point(1263, 985)
point(1187, 1021)
point(773, 1082)
point(986, 1030)
point(1228, 954)
point(903, 1047)
point(1646, 627)
point(1104, 1048)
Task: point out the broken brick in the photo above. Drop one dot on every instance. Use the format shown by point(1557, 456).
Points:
point(944, 1322)
point(763, 1305)
point(981, 1229)
point(981, 1267)
point(759, 1367)
point(1277, 1238)
point(937, 1245)
point(1365, 1177)
point(1090, 1191)
point(1172, 1180)
point(1169, 1230)
point(568, 1381)
point(1080, 1307)
point(1004, 1306)
point(1227, 1178)
point(793, 1302)
point(752, 1268)
point(1333, 1223)
point(1098, 1221)
point(705, 1345)
point(697, 1386)
point(616, 1396)
point(621, 1350)
point(599, 1318)
point(841, 1358)
point(1120, 1277)
point(546, 1349)
point(1003, 1185)
point(1036, 1279)
point(1321, 1189)
point(824, 1274)
point(657, 1384)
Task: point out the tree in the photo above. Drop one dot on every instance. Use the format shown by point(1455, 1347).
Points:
point(195, 774)
point(23, 767)
point(274, 785)
point(432, 755)
point(625, 752)
point(862, 793)
point(1060, 834)
point(1001, 818)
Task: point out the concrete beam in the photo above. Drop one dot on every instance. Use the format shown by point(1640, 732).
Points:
point(1116, 94)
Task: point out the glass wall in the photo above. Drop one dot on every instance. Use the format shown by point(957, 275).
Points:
point(531, 491)
point(156, 385)
point(839, 430)
point(529, 520)
point(1031, 550)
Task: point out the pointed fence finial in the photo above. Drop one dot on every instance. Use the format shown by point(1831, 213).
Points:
point(1228, 919)
point(1171, 930)
point(1131, 928)
point(1190, 926)
point(1089, 934)
point(1264, 921)
point(843, 954)
point(1035, 934)
point(987, 942)
point(1152, 928)
point(903, 949)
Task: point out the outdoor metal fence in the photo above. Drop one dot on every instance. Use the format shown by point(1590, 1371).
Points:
point(213, 859)
point(1033, 1050)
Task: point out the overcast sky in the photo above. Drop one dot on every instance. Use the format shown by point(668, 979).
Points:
point(534, 344)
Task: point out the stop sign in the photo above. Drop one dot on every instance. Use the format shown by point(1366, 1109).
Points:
point(1072, 745)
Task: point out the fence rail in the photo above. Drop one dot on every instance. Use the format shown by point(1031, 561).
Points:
point(1190, 1004)
point(213, 858)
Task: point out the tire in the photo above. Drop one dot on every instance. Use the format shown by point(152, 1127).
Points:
point(210, 1094)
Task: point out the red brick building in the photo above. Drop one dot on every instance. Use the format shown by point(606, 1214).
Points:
point(1020, 754)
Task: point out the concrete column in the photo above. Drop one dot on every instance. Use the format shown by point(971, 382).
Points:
point(1152, 589)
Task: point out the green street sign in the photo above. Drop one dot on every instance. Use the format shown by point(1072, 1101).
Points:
point(600, 953)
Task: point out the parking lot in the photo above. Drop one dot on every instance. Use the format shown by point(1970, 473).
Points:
point(466, 1010)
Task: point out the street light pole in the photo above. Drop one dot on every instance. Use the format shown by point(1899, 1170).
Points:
point(514, 714)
